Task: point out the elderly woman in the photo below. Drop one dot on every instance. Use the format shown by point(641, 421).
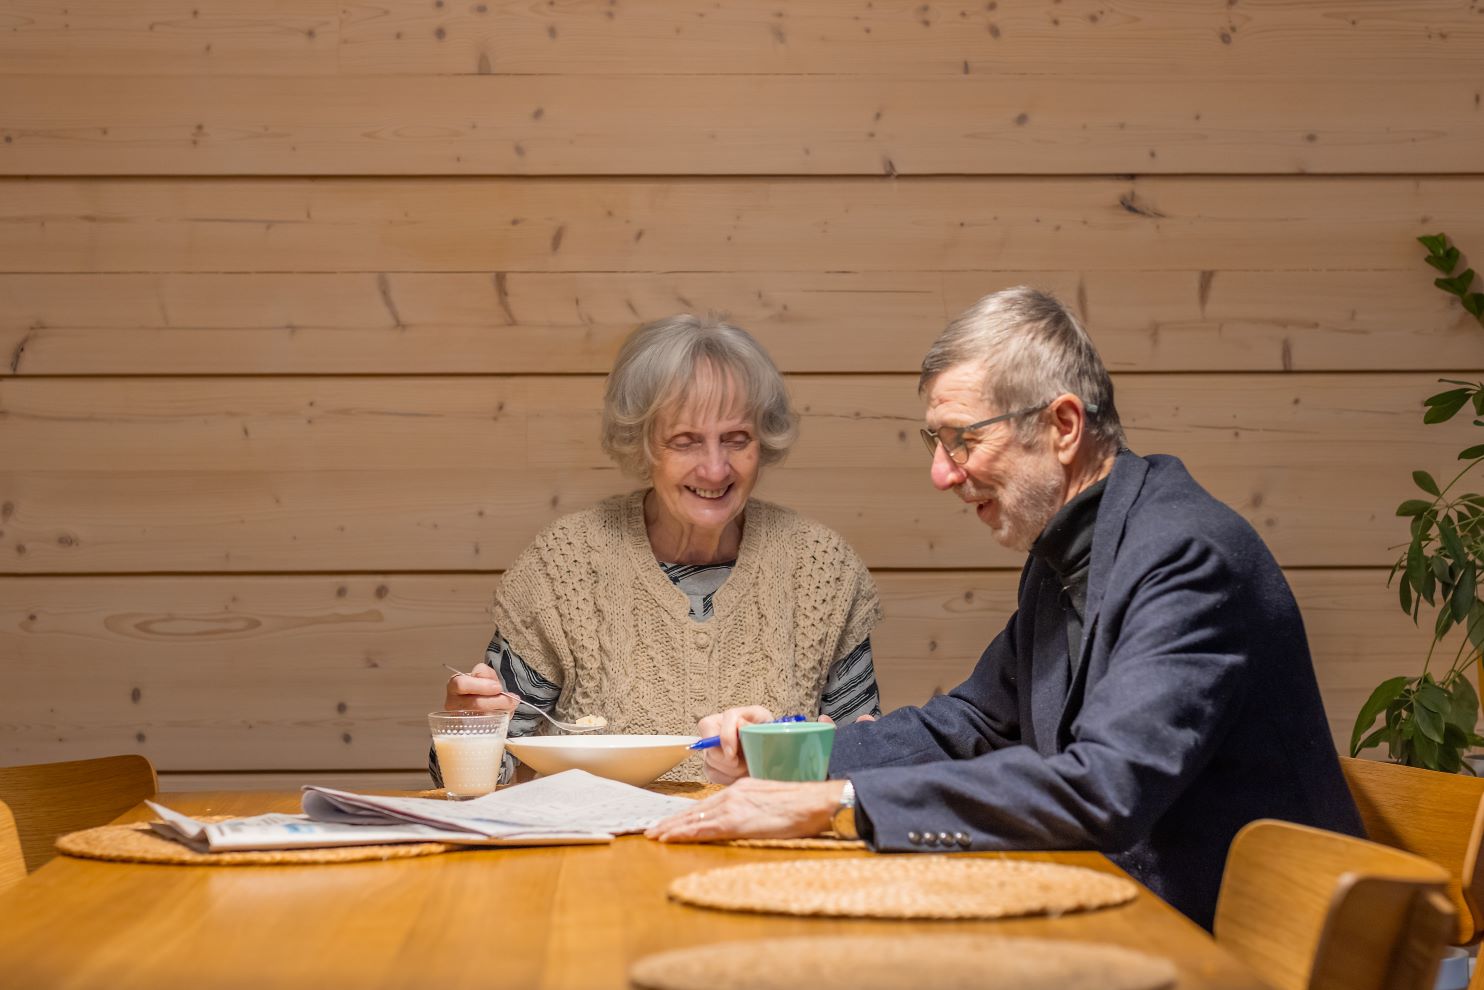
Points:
point(686, 597)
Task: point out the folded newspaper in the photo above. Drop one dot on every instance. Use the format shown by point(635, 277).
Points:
point(566, 808)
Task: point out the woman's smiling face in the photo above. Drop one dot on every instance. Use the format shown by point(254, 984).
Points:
point(705, 457)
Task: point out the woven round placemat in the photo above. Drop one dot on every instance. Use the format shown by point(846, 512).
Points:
point(904, 887)
point(137, 843)
point(812, 842)
point(945, 962)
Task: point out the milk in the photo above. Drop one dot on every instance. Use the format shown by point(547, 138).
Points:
point(470, 763)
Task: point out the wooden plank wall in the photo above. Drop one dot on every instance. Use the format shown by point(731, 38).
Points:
point(305, 306)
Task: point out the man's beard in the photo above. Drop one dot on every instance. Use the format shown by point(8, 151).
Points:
point(1026, 501)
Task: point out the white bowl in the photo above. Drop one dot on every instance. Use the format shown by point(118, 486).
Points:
point(632, 759)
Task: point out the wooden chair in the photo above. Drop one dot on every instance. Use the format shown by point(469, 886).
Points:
point(51, 799)
point(1439, 816)
point(1314, 910)
point(12, 863)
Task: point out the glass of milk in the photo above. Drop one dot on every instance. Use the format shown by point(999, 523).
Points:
point(470, 746)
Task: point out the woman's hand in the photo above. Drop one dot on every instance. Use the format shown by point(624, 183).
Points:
point(479, 690)
point(725, 763)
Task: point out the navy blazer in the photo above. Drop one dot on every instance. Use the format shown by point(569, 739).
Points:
point(1194, 711)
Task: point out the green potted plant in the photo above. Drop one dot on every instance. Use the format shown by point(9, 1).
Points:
point(1429, 720)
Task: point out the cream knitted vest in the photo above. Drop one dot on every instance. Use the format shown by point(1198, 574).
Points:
point(588, 607)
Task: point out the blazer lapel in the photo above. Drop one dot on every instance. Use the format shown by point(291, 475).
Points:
point(1124, 483)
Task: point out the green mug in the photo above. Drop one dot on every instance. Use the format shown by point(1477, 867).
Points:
point(788, 750)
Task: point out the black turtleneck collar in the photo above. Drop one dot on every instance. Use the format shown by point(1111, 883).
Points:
point(1066, 543)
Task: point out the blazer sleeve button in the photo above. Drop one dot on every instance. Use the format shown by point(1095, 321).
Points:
point(915, 838)
point(963, 839)
point(944, 838)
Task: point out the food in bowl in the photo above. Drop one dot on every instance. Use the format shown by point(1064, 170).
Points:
point(635, 759)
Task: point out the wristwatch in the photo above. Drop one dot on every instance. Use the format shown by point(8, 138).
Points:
point(843, 821)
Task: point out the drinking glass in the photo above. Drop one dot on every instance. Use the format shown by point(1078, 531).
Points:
point(470, 747)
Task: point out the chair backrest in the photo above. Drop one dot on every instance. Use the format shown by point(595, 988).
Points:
point(1439, 816)
point(12, 863)
point(51, 799)
point(1309, 909)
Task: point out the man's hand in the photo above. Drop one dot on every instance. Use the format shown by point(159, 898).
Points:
point(479, 690)
point(755, 809)
point(725, 763)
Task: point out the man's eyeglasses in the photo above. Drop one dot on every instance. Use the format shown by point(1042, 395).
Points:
point(956, 442)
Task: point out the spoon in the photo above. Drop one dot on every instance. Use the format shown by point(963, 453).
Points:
point(602, 722)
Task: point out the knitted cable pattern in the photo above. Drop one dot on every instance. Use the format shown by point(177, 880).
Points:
point(587, 608)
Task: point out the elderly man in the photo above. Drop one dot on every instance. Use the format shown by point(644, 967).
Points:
point(1152, 694)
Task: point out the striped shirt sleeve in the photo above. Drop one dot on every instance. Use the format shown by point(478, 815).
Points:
point(850, 689)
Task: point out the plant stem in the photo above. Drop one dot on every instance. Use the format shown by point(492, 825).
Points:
point(1467, 468)
point(1455, 666)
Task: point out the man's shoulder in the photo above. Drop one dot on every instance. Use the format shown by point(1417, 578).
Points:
point(1173, 508)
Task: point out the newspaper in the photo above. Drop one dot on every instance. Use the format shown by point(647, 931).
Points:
point(566, 808)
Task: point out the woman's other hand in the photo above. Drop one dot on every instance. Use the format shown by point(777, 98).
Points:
point(725, 763)
point(479, 690)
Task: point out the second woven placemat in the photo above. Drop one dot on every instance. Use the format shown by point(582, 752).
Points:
point(904, 887)
point(864, 962)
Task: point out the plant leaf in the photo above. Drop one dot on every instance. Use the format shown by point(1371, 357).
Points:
point(1435, 243)
point(1381, 698)
point(1416, 564)
point(1450, 760)
point(1425, 481)
point(1469, 453)
point(1433, 698)
point(1445, 405)
point(1476, 626)
point(1413, 507)
point(1463, 592)
point(1429, 724)
point(1449, 396)
point(1451, 541)
point(1406, 595)
point(1443, 624)
point(1458, 284)
point(1425, 752)
point(1474, 303)
point(1464, 707)
point(1374, 739)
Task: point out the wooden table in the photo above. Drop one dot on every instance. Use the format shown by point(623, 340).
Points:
point(568, 917)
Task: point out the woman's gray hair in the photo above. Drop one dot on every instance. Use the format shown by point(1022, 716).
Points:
point(663, 364)
point(1033, 349)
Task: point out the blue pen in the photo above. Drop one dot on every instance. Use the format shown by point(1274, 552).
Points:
point(711, 742)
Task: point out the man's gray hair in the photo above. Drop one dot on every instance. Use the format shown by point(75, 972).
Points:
point(1033, 349)
point(666, 364)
